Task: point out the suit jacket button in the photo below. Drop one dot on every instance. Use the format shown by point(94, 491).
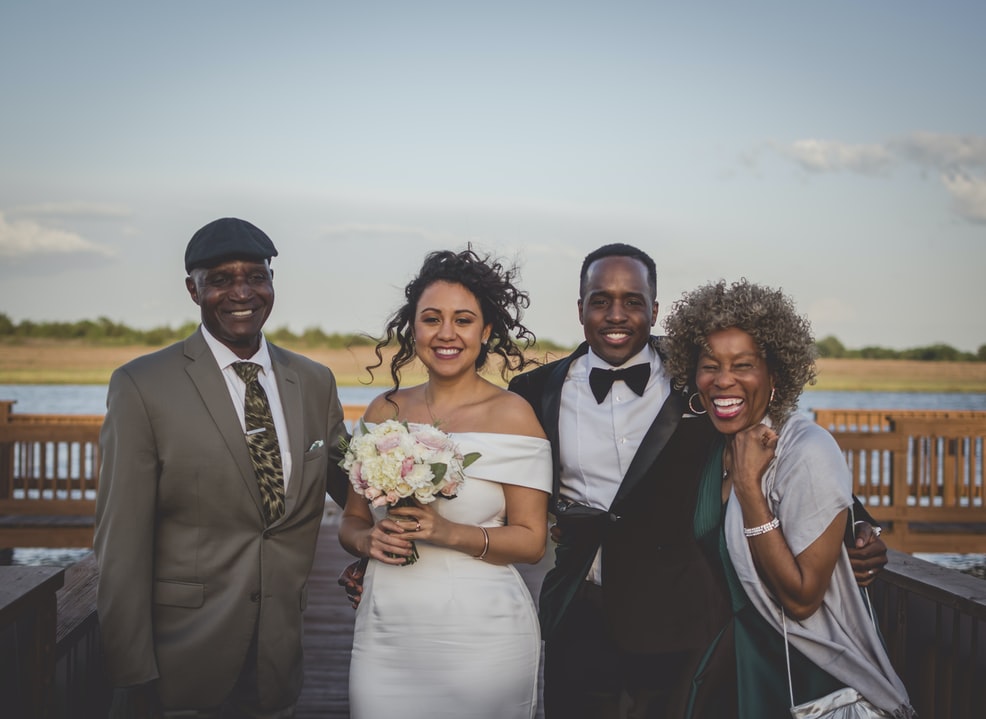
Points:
point(254, 596)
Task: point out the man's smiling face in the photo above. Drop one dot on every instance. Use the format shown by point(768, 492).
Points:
point(617, 309)
point(235, 298)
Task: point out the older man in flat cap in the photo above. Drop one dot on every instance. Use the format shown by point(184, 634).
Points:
point(217, 454)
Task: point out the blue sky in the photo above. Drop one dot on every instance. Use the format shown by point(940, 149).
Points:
point(837, 150)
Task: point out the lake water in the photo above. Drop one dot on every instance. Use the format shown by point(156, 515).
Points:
point(91, 399)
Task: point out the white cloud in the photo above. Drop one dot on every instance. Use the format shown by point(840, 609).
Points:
point(70, 209)
point(830, 156)
point(926, 150)
point(968, 197)
point(949, 153)
point(959, 160)
point(26, 238)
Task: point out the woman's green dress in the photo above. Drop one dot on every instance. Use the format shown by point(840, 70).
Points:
point(761, 677)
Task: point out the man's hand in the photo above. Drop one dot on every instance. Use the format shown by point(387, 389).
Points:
point(554, 531)
point(869, 555)
point(351, 579)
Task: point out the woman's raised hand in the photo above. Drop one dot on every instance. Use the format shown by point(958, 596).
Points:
point(753, 449)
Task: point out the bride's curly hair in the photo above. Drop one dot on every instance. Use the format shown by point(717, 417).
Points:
point(500, 301)
point(768, 315)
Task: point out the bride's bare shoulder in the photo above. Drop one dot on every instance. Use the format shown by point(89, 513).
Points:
point(511, 414)
point(382, 407)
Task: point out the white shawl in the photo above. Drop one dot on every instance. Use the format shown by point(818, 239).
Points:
point(806, 485)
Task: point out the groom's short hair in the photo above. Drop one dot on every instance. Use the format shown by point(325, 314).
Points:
point(620, 249)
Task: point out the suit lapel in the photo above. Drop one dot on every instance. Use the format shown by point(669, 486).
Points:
point(205, 374)
point(655, 439)
point(653, 443)
point(289, 387)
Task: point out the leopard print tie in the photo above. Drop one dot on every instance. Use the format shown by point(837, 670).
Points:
point(262, 441)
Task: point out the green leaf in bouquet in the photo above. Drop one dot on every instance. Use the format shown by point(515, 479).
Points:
point(438, 469)
point(470, 458)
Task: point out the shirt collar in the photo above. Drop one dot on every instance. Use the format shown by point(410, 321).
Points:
point(647, 354)
point(225, 357)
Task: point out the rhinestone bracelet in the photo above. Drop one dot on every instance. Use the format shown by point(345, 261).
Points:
point(762, 529)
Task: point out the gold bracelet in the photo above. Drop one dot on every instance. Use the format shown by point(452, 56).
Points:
point(486, 543)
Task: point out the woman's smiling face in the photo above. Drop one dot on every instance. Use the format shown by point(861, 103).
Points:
point(733, 380)
point(448, 328)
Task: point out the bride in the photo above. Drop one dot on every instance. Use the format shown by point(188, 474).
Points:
point(454, 634)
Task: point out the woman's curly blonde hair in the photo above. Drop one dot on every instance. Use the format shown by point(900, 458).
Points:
point(783, 336)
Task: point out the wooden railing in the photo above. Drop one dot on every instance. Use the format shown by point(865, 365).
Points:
point(28, 615)
point(933, 620)
point(919, 473)
point(51, 663)
point(913, 471)
point(49, 473)
point(49, 476)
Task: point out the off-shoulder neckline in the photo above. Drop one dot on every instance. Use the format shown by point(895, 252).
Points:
point(459, 434)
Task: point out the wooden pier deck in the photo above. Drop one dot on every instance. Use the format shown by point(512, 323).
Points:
point(329, 626)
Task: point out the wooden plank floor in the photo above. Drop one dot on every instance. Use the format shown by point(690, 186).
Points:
point(329, 627)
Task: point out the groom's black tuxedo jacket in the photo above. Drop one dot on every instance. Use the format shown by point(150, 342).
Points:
point(659, 593)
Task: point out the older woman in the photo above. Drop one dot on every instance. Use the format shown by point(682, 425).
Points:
point(772, 510)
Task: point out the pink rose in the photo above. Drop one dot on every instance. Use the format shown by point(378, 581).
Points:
point(406, 466)
point(432, 440)
point(388, 442)
point(450, 490)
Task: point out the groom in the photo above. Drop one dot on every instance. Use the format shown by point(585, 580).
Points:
point(631, 602)
point(630, 598)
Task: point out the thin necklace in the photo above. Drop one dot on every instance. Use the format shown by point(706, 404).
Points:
point(428, 405)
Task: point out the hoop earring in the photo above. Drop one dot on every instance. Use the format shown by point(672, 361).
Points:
point(692, 408)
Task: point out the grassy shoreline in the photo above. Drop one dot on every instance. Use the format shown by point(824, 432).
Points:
point(76, 362)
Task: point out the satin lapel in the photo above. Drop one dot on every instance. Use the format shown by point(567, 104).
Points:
point(653, 443)
point(205, 374)
point(551, 406)
point(289, 387)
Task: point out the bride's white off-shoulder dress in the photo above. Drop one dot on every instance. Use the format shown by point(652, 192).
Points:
point(450, 635)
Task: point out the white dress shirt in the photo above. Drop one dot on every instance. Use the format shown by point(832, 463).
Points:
point(225, 358)
point(598, 441)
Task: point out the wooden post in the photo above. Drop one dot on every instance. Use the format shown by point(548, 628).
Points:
point(27, 597)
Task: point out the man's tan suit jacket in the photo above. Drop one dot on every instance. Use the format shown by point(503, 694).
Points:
point(188, 569)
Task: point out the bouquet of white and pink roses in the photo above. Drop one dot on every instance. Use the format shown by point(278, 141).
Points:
point(394, 463)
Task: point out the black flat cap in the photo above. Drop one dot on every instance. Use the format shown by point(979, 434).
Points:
point(227, 238)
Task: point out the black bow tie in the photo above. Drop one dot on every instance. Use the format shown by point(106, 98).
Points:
point(600, 379)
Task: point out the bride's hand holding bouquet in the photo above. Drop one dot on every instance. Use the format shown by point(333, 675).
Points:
point(404, 467)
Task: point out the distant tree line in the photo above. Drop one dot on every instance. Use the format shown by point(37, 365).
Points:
point(106, 332)
point(832, 347)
